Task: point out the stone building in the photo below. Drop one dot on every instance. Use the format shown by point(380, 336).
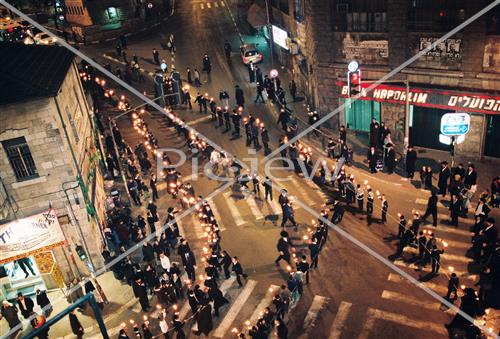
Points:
point(51, 186)
point(103, 19)
point(460, 74)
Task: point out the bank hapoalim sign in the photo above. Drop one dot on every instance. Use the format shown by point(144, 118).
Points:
point(27, 236)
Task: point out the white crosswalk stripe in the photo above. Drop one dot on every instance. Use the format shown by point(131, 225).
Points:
point(445, 217)
point(316, 189)
point(462, 245)
point(446, 256)
point(446, 229)
point(428, 269)
point(435, 287)
point(374, 314)
point(254, 208)
point(217, 215)
point(317, 305)
point(233, 209)
point(339, 321)
point(236, 307)
point(265, 302)
point(275, 206)
point(421, 201)
point(398, 297)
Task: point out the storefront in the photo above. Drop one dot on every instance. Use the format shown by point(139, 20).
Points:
point(26, 258)
point(426, 108)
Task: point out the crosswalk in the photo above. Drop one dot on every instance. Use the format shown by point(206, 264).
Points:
point(208, 5)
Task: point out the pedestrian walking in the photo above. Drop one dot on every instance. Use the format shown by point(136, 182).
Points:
point(76, 325)
point(385, 207)
point(372, 158)
point(436, 259)
point(303, 266)
point(268, 189)
point(226, 262)
point(292, 87)
point(9, 312)
point(207, 64)
point(288, 215)
point(239, 96)
point(444, 176)
point(314, 253)
point(140, 292)
point(156, 57)
point(189, 263)
point(453, 284)
point(25, 305)
point(411, 158)
point(154, 189)
point(238, 270)
point(197, 78)
point(260, 90)
point(43, 301)
point(401, 226)
point(360, 196)
point(431, 208)
point(283, 248)
point(369, 206)
point(455, 210)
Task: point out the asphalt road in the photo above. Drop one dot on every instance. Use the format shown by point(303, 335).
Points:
point(351, 294)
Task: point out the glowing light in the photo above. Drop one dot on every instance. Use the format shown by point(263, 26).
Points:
point(450, 268)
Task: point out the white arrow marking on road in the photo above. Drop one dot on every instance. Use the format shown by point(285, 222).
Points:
point(435, 287)
point(265, 302)
point(448, 229)
point(254, 208)
point(236, 307)
point(233, 209)
point(340, 318)
point(398, 297)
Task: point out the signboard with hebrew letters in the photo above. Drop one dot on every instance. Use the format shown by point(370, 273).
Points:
point(27, 236)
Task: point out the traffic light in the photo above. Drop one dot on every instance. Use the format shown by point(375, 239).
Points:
point(81, 252)
point(354, 82)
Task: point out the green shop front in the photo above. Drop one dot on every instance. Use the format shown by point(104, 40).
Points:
point(388, 103)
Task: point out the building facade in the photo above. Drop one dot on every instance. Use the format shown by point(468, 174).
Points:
point(460, 74)
point(51, 191)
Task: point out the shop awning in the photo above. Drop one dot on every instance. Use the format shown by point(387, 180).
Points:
point(256, 16)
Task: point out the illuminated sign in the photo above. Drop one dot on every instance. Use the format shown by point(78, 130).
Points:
point(483, 103)
point(280, 37)
point(27, 236)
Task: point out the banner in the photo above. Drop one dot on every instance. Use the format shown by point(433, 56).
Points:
point(464, 102)
point(24, 237)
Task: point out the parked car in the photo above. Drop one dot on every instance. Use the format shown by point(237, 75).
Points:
point(250, 54)
point(44, 39)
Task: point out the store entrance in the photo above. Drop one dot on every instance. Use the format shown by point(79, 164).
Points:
point(20, 275)
point(425, 128)
point(359, 114)
point(492, 137)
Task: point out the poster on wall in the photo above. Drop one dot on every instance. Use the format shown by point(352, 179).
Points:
point(27, 236)
point(280, 37)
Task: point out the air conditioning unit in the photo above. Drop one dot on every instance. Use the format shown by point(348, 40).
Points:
point(294, 48)
point(342, 8)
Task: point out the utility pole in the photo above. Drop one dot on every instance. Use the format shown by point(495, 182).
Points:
point(270, 31)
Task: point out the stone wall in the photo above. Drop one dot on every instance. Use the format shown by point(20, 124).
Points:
point(39, 123)
point(393, 115)
point(473, 140)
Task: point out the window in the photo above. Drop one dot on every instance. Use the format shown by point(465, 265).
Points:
point(359, 16)
point(72, 123)
point(436, 15)
point(493, 21)
point(20, 158)
point(284, 6)
point(112, 13)
point(298, 10)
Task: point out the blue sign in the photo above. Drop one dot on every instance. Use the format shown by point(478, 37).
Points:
point(455, 124)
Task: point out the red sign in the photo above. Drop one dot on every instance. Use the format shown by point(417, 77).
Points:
point(467, 102)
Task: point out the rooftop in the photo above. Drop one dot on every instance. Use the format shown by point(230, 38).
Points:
point(31, 71)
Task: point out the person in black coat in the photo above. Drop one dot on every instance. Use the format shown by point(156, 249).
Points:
point(215, 294)
point(141, 293)
point(226, 263)
point(25, 305)
point(281, 329)
point(238, 270)
point(239, 96)
point(455, 209)
point(411, 158)
point(374, 132)
point(444, 175)
point(431, 208)
point(470, 176)
point(204, 318)
point(43, 301)
point(189, 263)
point(390, 159)
point(283, 247)
point(76, 326)
point(372, 159)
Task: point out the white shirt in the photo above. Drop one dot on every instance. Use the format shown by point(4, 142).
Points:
point(215, 157)
point(165, 262)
